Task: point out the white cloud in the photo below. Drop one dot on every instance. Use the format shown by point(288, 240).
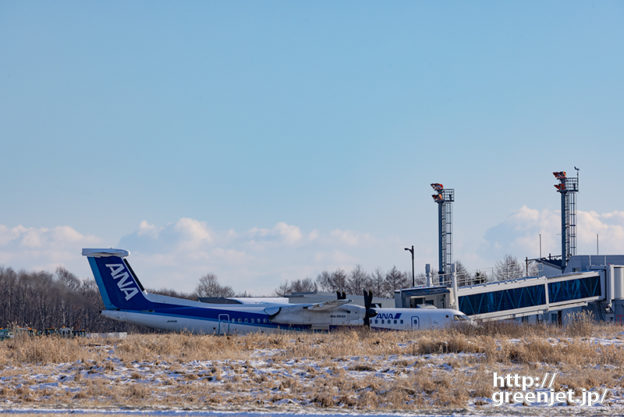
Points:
point(256, 260)
point(177, 254)
point(609, 227)
point(351, 238)
point(519, 233)
point(146, 229)
point(193, 231)
point(291, 234)
point(66, 233)
point(42, 248)
point(313, 235)
point(281, 233)
point(186, 234)
point(32, 238)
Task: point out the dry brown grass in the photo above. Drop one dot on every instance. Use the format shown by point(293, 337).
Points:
point(33, 350)
point(354, 370)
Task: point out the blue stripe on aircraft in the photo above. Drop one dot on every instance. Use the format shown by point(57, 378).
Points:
point(100, 283)
point(268, 324)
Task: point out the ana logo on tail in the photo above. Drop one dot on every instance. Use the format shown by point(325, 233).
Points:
point(125, 282)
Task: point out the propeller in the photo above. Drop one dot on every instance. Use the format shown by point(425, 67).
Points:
point(370, 311)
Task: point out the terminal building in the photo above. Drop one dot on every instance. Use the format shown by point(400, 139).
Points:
point(565, 285)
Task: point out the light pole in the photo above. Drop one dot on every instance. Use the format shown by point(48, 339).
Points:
point(411, 250)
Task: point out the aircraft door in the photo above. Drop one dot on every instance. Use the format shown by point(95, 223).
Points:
point(415, 323)
point(224, 324)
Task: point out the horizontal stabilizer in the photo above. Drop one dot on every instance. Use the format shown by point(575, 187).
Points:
point(101, 253)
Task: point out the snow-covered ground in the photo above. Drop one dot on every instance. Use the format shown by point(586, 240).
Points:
point(272, 381)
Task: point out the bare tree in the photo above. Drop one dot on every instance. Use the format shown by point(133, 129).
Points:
point(42, 300)
point(209, 286)
point(67, 278)
point(378, 283)
point(297, 286)
point(335, 281)
point(480, 277)
point(358, 281)
point(508, 268)
point(395, 280)
point(420, 279)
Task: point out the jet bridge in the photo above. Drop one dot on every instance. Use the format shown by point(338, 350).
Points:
point(520, 297)
point(529, 296)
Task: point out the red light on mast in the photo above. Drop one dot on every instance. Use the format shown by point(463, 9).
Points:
point(560, 175)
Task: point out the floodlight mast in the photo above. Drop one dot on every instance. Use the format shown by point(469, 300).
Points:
point(444, 198)
point(567, 187)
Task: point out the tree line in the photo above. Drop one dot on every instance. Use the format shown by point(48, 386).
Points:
point(44, 300)
point(383, 284)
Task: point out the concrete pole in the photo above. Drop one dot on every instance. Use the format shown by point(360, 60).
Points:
point(454, 278)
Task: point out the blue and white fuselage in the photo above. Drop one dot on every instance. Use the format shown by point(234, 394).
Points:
point(125, 299)
point(416, 318)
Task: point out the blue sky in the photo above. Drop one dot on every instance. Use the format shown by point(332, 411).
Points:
point(267, 141)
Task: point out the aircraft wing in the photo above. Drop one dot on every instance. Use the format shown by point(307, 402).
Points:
point(326, 305)
point(293, 308)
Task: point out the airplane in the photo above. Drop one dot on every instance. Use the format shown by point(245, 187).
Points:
point(410, 318)
point(416, 318)
point(125, 299)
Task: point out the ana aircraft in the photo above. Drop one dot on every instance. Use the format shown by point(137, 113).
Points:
point(416, 318)
point(409, 318)
point(125, 299)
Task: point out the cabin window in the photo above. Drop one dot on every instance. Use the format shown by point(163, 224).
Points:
point(382, 321)
point(395, 322)
point(401, 321)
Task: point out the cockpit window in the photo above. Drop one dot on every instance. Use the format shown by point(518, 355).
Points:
point(457, 317)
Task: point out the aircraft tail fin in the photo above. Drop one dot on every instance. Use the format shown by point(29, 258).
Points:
point(118, 284)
